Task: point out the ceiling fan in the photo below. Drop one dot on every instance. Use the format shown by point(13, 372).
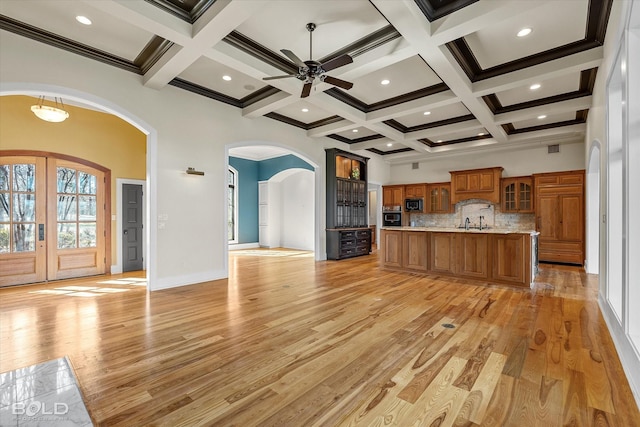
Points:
point(309, 70)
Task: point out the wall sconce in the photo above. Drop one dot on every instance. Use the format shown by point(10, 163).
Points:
point(192, 171)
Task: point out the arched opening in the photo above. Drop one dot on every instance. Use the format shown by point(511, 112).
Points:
point(295, 165)
point(592, 264)
point(87, 100)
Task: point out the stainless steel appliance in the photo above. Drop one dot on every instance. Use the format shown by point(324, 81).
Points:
point(413, 205)
point(391, 219)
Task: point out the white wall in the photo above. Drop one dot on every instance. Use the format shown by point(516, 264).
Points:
point(184, 130)
point(296, 211)
point(616, 289)
point(515, 163)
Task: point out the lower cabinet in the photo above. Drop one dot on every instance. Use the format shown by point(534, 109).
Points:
point(501, 258)
point(441, 258)
point(472, 255)
point(414, 251)
point(348, 243)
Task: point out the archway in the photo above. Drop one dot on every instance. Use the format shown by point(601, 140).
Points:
point(317, 179)
point(593, 210)
point(101, 104)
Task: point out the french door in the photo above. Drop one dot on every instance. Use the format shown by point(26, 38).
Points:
point(52, 220)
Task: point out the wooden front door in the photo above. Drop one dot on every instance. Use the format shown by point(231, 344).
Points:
point(52, 220)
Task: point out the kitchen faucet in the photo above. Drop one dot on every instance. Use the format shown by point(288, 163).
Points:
point(481, 218)
point(466, 223)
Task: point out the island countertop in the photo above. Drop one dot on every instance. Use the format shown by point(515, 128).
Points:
point(462, 230)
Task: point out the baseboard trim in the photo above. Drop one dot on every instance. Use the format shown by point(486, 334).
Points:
point(238, 246)
point(191, 279)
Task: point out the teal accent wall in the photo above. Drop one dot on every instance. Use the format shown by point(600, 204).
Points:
point(247, 198)
point(270, 167)
point(249, 173)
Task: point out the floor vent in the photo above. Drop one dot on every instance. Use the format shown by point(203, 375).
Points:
point(553, 148)
point(415, 165)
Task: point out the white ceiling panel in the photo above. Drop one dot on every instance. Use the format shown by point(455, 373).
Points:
point(435, 115)
point(404, 77)
point(551, 87)
point(209, 74)
point(554, 23)
point(106, 33)
point(551, 118)
point(295, 111)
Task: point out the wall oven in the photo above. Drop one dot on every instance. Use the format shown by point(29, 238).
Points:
point(391, 219)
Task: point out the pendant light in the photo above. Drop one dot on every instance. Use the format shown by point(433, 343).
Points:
point(50, 114)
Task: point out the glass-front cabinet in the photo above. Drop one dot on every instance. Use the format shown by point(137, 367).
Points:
point(439, 197)
point(517, 194)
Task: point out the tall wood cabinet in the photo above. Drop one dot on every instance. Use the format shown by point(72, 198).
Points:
point(560, 216)
point(348, 233)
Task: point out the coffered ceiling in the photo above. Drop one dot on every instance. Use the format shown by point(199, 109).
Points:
point(459, 77)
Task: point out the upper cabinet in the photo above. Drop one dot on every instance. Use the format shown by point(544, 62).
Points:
point(393, 195)
point(414, 191)
point(439, 200)
point(517, 194)
point(476, 184)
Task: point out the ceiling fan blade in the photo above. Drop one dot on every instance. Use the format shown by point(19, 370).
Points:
point(292, 56)
point(337, 82)
point(337, 62)
point(306, 90)
point(278, 77)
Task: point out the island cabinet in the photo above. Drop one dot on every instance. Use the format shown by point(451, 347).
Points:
point(441, 256)
point(472, 255)
point(506, 258)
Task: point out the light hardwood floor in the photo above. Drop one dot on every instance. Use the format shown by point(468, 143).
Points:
point(293, 342)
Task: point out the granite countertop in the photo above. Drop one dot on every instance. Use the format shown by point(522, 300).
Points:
point(462, 230)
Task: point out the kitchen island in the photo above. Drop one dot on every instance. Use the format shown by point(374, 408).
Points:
point(491, 255)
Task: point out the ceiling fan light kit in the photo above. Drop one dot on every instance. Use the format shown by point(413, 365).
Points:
point(309, 70)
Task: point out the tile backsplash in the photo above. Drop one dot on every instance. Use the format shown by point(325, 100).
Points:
point(473, 209)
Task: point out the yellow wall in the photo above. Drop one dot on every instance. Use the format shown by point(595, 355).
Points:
point(87, 134)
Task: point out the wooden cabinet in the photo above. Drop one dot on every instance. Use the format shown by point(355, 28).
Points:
point(441, 254)
point(501, 258)
point(414, 191)
point(510, 253)
point(391, 245)
point(472, 252)
point(348, 243)
point(476, 184)
point(517, 194)
point(560, 215)
point(414, 250)
point(393, 195)
point(439, 200)
point(346, 205)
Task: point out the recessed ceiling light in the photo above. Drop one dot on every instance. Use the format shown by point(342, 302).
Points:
point(83, 20)
point(226, 78)
point(542, 116)
point(385, 82)
point(389, 144)
point(305, 110)
point(439, 140)
point(524, 32)
point(535, 86)
point(355, 131)
point(481, 134)
point(426, 113)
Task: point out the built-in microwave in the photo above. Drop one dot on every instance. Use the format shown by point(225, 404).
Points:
point(413, 205)
point(391, 219)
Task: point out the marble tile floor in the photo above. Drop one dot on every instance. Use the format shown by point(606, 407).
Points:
point(46, 394)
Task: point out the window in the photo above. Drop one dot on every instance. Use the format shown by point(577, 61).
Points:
point(232, 202)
